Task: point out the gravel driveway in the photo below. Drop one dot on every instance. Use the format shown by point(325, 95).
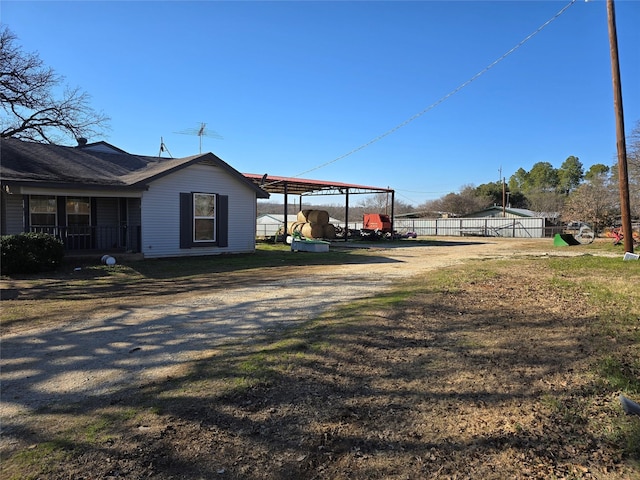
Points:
point(68, 362)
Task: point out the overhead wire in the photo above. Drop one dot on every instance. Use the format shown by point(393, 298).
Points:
point(442, 99)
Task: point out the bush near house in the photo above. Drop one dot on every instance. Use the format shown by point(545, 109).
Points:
point(30, 253)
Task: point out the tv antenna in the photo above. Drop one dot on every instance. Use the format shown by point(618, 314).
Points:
point(201, 132)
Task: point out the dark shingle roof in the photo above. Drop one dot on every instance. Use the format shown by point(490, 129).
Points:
point(37, 162)
point(54, 165)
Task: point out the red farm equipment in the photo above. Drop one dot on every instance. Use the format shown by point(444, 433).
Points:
point(376, 225)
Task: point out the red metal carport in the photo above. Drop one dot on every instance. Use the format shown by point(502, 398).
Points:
point(304, 187)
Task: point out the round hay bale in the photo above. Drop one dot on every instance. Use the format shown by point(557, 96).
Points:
point(310, 230)
point(303, 215)
point(294, 227)
point(329, 231)
point(321, 217)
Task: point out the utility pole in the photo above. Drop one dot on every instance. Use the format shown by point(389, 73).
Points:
point(625, 209)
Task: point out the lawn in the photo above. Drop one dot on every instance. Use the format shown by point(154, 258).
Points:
point(491, 369)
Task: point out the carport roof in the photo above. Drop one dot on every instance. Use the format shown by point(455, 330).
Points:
point(302, 186)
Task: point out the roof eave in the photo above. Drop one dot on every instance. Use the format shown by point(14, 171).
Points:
point(72, 185)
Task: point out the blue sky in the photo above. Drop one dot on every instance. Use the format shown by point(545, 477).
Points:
point(294, 86)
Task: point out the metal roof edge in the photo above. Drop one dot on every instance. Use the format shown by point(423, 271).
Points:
point(271, 184)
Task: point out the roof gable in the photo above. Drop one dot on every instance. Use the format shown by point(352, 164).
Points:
point(103, 147)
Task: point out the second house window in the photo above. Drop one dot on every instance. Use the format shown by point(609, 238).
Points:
point(204, 217)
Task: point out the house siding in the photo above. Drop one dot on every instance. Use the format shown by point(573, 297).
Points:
point(12, 214)
point(161, 212)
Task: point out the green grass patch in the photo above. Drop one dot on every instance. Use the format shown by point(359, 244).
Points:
point(101, 427)
point(38, 461)
point(625, 431)
point(620, 374)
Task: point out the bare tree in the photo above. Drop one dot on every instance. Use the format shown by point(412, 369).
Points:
point(595, 201)
point(378, 203)
point(633, 160)
point(545, 204)
point(633, 147)
point(31, 109)
point(463, 203)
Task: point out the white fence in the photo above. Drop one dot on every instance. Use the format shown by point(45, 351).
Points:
point(457, 227)
point(265, 230)
point(485, 227)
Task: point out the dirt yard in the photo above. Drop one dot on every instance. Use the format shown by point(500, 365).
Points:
point(125, 343)
point(451, 385)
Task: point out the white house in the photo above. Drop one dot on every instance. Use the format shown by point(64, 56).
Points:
point(99, 197)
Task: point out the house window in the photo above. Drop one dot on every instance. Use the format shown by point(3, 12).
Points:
point(42, 210)
point(204, 220)
point(204, 217)
point(78, 214)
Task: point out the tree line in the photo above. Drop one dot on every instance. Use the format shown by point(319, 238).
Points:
point(569, 192)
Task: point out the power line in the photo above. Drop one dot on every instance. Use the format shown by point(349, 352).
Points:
point(445, 97)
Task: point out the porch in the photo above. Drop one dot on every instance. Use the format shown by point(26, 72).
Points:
point(95, 238)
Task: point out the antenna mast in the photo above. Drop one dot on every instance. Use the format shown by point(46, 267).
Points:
point(163, 148)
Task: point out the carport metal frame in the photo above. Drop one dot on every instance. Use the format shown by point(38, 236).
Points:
point(306, 188)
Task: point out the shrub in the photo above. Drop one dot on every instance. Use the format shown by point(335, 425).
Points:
point(30, 253)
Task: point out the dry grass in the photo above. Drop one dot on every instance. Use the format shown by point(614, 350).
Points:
point(495, 369)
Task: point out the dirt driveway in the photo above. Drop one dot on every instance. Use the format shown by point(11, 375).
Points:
point(63, 363)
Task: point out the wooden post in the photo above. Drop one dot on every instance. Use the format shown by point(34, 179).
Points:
point(623, 176)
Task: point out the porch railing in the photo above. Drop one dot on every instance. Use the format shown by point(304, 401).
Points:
point(97, 237)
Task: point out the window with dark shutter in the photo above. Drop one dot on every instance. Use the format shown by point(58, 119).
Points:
point(186, 219)
point(223, 221)
point(204, 219)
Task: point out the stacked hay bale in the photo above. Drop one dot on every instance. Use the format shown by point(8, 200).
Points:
point(312, 224)
point(329, 231)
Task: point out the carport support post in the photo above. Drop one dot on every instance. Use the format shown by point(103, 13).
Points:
point(346, 215)
point(393, 203)
point(286, 212)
